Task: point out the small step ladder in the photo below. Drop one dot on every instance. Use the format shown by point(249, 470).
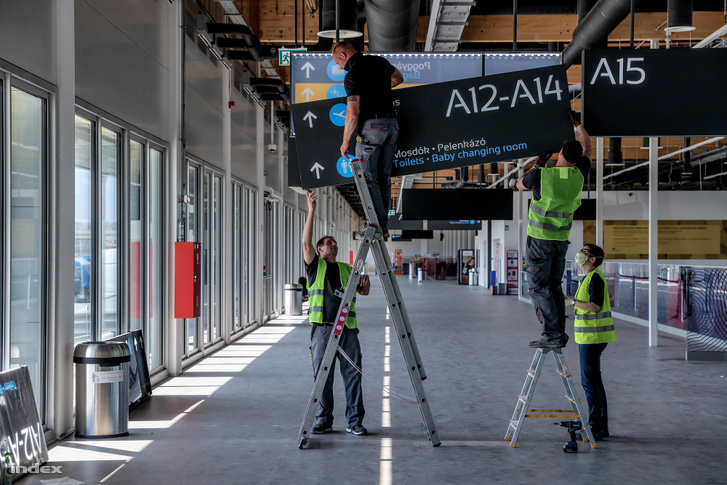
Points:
point(373, 241)
point(522, 410)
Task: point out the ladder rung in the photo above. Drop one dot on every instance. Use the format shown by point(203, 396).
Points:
point(551, 410)
point(552, 416)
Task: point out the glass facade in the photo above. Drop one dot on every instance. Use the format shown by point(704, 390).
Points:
point(27, 251)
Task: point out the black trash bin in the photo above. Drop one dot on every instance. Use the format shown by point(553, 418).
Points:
point(102, 389)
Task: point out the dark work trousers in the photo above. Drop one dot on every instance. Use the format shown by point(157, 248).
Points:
point(351, 377)
point(590, 357)
point(544, 265)
point(376, 153)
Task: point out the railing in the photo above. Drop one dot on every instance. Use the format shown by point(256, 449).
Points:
point(691, 298)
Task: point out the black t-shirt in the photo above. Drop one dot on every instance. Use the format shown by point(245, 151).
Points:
point(532, 180)
point(369, 77)
point(332, 283)
point(596, 290)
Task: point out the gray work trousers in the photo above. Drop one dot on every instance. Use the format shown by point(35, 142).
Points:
point(544, 265)
point(351, 377)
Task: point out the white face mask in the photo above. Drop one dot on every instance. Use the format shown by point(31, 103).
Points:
point(581, 259)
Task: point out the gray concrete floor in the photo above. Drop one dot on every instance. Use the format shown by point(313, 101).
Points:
point(234, 417)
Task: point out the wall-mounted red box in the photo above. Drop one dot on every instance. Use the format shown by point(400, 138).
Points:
point(187, 279)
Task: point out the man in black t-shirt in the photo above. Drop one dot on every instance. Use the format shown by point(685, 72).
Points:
point(370, 111)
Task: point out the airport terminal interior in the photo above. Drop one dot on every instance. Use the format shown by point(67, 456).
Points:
point(154, 162)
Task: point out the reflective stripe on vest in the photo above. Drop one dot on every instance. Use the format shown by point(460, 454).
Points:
point(316, 294)
point(551, 216)
point(593, 328)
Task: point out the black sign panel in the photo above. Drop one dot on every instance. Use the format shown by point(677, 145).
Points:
point(139, 382)
point(412, 234)
point(397, 222)
point(293, 169)
point(461, 225)
point(670, 92)
point(446, 125)
point(22, 441)
point(438, 204)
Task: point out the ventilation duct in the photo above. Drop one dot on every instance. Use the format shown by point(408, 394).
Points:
point(615, 157)
point(392, 25)
point(679, 15)
point(349, 19)
point(269, 89)
point(255, 51)
point(600, 21)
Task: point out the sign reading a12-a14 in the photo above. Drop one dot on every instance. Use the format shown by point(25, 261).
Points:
point(446, 125)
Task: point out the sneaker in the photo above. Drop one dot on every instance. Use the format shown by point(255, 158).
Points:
point(547, 343)
point(321, 428)
point(358, 430)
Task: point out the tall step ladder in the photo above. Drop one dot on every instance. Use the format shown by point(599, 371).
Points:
point(373, 241)
point(522, 410)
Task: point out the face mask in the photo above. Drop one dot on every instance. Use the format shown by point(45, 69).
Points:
point(581, 259)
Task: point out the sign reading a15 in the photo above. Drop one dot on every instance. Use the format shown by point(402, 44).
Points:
point(625, 71)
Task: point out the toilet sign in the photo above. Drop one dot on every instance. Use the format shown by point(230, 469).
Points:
point(445, 125)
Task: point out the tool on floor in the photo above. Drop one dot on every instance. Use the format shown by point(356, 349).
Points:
point(573, 428)
point(522, 410)
point(373, 241)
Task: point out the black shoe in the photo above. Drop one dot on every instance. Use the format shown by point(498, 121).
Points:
point(321, 428)
point(598, 435)
point(605, 432)
point(358, 430)
point(385, 233)
point(548, 343)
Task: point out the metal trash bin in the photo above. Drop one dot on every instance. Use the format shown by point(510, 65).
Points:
point(293, 299)
point(102, 389)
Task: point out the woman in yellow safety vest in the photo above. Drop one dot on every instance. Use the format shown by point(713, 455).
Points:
point(593, 331)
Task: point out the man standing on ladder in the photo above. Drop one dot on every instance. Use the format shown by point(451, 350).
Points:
point(593, 331)
point(556, 196)
point(326, 285)
point(369, 111)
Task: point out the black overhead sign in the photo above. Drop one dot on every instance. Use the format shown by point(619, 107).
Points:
point(460, 225)
point(446, 125)
point(642, 92)
point(438, 204)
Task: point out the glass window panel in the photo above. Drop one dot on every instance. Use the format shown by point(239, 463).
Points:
point(236, 256)
point(110, 162)
point(217, 258)
point(192, 181)
point(156, 246)
point(27, 236)
point(136, 159)
point(83, 303)
point(206, 212)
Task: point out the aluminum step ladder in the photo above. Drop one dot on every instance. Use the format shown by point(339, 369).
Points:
point(522, 410)
point(372, 241)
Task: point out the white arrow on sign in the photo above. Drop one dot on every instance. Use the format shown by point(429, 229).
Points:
point(309, 117)
point(307, 91)
point(317, 167)
point(307, 67)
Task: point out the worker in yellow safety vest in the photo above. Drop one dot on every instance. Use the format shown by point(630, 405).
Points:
point(327, 281)
point(593, 331)
point(556, 196)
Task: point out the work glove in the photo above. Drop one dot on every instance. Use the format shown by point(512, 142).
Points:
point(543, 159)
point(576, 117)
